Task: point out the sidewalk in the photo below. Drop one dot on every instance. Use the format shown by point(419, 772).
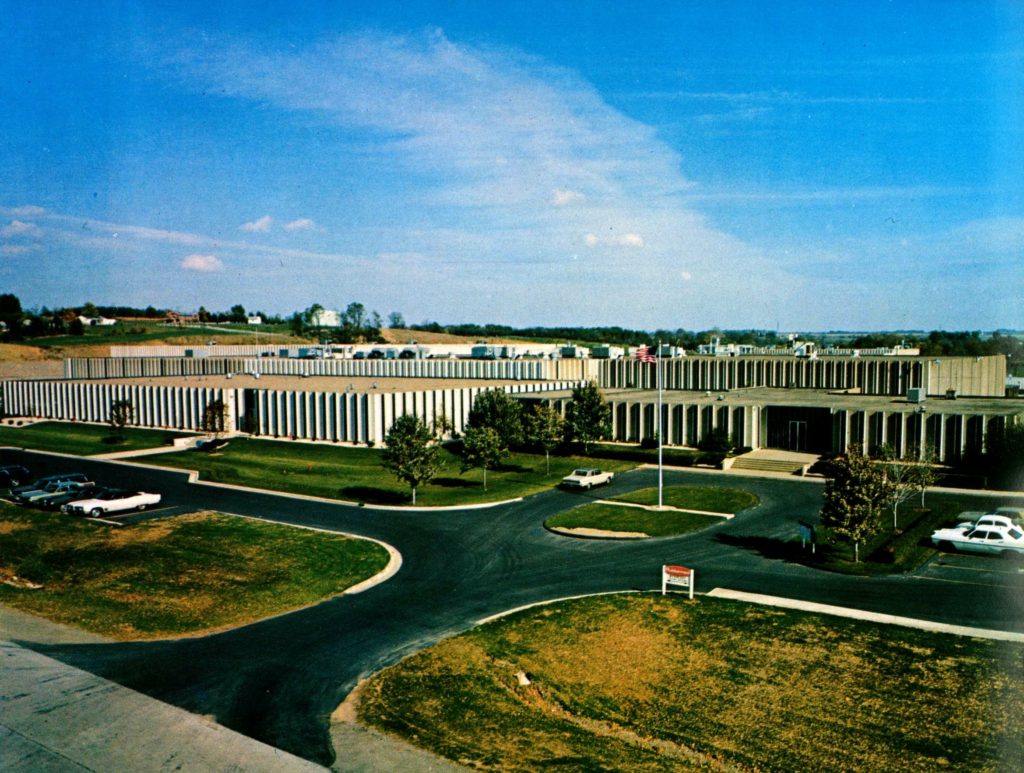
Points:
point(56, 717)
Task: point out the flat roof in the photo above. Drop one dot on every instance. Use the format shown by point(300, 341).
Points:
point(308, 383)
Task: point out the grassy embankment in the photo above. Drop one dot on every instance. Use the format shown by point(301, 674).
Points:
point(356, 474)
point(84, 439)
point(657, 523)
point(646, 683)
point(172, 576)
point(150, 332)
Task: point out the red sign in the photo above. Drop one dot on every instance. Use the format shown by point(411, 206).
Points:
point(677, 571)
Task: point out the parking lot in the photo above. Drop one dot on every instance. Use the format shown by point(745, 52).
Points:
point(987, 572)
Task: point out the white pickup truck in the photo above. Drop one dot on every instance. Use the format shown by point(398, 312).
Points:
point(587, 479)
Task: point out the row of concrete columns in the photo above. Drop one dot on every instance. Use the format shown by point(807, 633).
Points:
point(949, 436)
point(152, 406)
point(351, 417)
point(494, 370)
point(869, 375)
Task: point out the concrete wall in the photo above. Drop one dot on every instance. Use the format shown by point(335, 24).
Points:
point(352, 417)
point(491, 370)
point(975, 376)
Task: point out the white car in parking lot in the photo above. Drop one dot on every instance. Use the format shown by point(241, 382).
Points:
point(993, 534)
point(112, 501)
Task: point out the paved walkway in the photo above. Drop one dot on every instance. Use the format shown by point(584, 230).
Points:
point(59, 718)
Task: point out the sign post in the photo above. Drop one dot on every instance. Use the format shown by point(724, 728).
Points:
point(677, 575)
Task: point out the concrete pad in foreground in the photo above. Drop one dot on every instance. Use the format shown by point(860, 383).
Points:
point(56, 717)
point(860, 614)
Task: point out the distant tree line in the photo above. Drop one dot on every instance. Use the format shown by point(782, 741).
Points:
point(355, 325)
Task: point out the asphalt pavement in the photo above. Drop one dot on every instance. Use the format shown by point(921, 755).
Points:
point(278, 680)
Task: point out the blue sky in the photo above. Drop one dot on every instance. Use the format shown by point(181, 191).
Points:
point(774, 165)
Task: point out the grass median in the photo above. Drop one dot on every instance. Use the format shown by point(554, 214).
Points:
point(356, 474)
point(84, 439)
point(606, 517)
point(172, 576)
point(651, 683)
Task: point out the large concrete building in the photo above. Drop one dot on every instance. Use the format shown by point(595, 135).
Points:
point(817, 404)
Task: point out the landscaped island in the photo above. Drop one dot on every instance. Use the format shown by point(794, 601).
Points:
point(172, 576)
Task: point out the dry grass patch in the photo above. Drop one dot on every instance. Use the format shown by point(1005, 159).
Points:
point(651, 683)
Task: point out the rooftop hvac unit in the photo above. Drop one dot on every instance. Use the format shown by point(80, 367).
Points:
point(915, 395)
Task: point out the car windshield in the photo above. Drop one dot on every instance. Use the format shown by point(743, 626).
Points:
point(112, 495)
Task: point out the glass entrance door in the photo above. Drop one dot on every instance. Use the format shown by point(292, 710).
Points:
point(798, 436)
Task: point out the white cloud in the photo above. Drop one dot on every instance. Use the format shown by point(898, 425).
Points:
point(15, 249)
point(202, 263)
point(302, 224)
point(26, 211)
point(19, 228)
point(623, 240)
point(262, 225)
point(562, 197)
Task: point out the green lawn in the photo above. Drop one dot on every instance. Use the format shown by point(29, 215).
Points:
point(172, 576)
point(666, 523)
point(652, 683)
point(356, 474)
point(708, 498)
point(83, 439)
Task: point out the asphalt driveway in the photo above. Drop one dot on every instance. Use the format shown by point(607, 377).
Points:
point(279, 680)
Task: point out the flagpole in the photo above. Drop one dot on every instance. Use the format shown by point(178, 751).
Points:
point(661, 476)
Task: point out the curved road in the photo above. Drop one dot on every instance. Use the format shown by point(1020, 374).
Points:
point(279, 680)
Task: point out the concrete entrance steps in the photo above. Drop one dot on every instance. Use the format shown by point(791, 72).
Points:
point(770, 460)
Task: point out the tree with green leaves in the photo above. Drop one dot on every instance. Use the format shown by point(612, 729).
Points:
point(545, 427)
point(411, 452)
point(498, 410)
point(481, 447)
point(396, 320)
point(588, 417)
point(121, 414)
point(855, 492)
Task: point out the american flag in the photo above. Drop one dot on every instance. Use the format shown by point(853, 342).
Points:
point(644, 354)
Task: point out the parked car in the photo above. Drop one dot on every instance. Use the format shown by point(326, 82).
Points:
point(39, 483)
point(111, 501)
point(57, 500)
point(60, 487)
point(13, 475)
point(587, 479)
point(1016, 514)
point(992, 538)
point(990, 519)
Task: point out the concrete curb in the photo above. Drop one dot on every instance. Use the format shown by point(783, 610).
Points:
point(859, 614)
point(664, 509)
point(193, 477)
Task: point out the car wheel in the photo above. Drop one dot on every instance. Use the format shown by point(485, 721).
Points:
point(1010, 555)
point(95, 513)
point(947, 546)
point(140, 508)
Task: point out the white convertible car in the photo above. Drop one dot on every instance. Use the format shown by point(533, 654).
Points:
point(993, 534)
point(112, 501)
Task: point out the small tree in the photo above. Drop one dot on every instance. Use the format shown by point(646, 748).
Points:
point(121, 414)
point(481, 447)
point(899, 474)
point(925, 475)
point(545, 427)
point(854, 493)
point(396, 320)
point(499, 411)
point(411, 452)
point(588, 417)
point(214, 417)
